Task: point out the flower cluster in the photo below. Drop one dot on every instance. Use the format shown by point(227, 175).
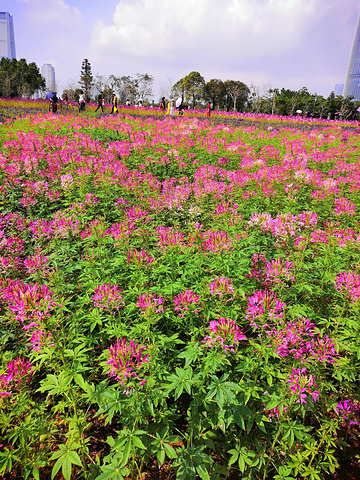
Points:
point(278, 271)
point(349, 284)
point(126, 361)
point(184, 301)
point(343, 206)
point(302, 385)
point(139, 258)
point(297, 339)
point(349, 410)
point(17, 371)
point(224, 332)
point(148, 303)
point(36, 263)
point(264, 306)
point(221, 286)
point(108, 296)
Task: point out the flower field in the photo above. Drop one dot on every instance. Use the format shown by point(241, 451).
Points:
point(179, 299)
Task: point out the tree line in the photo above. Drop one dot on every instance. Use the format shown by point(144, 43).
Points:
point(19, 79)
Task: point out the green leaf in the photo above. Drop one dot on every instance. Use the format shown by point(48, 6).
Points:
point(170, 451)
point(202, 472)
point(56, 468)
point(234, 456)
point(138, 443)
point(127, 452)
point(186, 471)
point(66, 468)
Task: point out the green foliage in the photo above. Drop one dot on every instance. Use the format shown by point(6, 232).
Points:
point(18, 78)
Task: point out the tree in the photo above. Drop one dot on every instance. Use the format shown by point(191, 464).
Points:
point(255, 98)
point(214, 92)
point(86, 78)
point(99, 82)
point(19, 79)
point(238, 93)
point(144, 86)
point(190, 88)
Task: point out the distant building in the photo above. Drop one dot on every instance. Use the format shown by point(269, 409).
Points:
point(7, 36)
point(339, 89)
point(48, 72)
point(352, 82)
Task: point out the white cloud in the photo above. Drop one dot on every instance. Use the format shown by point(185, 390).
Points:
point(52, 12)
point(235, 30)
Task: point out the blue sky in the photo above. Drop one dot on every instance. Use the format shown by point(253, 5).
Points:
point(267, 43)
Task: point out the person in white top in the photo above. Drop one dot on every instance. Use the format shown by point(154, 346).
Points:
point(81, 101)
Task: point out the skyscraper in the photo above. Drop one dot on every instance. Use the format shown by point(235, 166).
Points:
point(352, 81)
point(339, 89)
point(7, 37)
point(48, 72)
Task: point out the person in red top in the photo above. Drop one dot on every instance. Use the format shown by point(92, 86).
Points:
point(208, 110)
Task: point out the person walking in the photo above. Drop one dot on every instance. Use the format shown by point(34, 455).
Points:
point(100, 102)
point(54, 103)
point(114, 104)
point(81, 101)
point(208, 110)
point(163, 104)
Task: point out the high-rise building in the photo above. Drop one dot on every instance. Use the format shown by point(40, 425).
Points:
point(339, 89)
point(48, 72)
point(7, 37)
point(352, 82)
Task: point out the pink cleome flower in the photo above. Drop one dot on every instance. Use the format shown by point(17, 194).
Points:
point(224, 332)
point(349, 284)
point(17, 371)
point(126, 361)
point(148, 303)
point(139, 257)
point(278, 271)
point(221, 286)
point(302, 384)
point(264, 305)
point(184, 300)
point(343, 206)
point(108, 296)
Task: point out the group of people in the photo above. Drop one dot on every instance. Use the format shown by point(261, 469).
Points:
point(169, 107)
point(101, 103)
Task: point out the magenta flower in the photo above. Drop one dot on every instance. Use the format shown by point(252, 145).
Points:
point(264, 305)
point(126, 361)
point(17, 371)
point(39, 338)
point(343, 206)
point(349, 410)
point(28, 300)
point(184, 301)
point(224, 332)
point(349, 284)
point(258, 260)
point(221, 286)
point(302, 385)
point(36, 263)
point(216, 241)
point(91, 199)
point(169, 238)
point(278, 271)
point(296, 339)
point(139, 257)
point(108, 296)
point(148, 303)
